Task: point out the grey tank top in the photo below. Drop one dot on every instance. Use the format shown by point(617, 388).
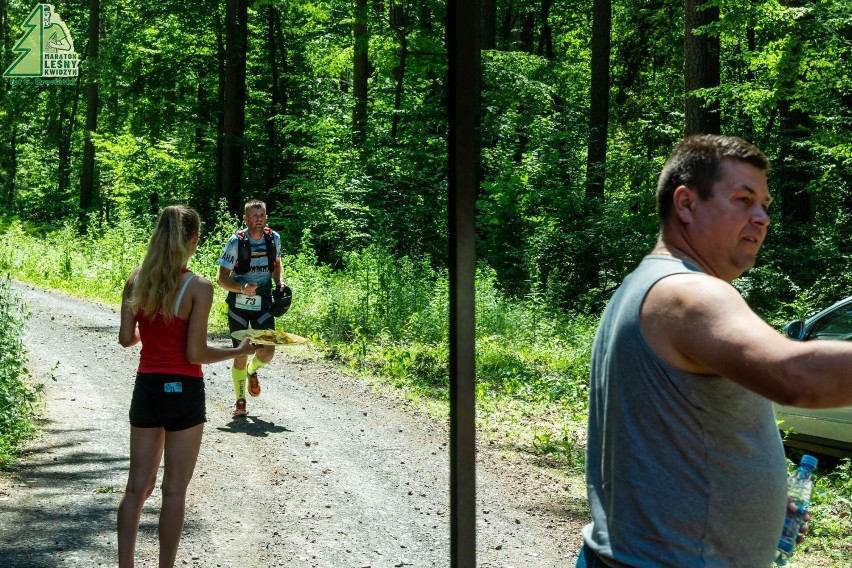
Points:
point(682, 470)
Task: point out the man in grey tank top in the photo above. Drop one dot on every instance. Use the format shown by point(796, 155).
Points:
point(685, 465)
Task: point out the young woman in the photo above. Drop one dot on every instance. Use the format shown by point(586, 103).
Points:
point(166, 307)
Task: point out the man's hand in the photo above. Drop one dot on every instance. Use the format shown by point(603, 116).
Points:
point(806, 518)
point(249, 289)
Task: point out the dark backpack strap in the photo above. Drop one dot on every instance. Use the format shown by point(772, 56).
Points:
point(271, 251)
point(243, 254)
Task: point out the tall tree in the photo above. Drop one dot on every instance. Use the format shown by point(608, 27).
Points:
point(360, 72)
point(236, 35)
point(488, 34)
point(87, 175)
point(519, 26)
point(277, 96)
point(794, 169)
point(7, 166)
point(221, 67)
point(10, 165)
point(400, 19)
point(545, 42)
point(599, 99)
point(701, 67)
point(66, 131)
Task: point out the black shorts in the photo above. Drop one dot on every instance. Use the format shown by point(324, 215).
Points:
point(239, 319)
point(163, 400)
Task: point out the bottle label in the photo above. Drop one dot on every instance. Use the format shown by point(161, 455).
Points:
point(789, 534)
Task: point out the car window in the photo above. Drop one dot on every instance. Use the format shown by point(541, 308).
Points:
point(836, 325)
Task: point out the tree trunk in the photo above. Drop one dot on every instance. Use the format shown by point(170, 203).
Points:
point(4, 18)
point(12, 165)
point(488, 35)
point(510, 20)
point(526, 38)
point(599, 99)
point(701, 68)
point(204, 116)
point(236, 32)
point(220, 114)
point(400, 77)
point(360, 73)
point(8, 125)
point(793, 168)
point(746, 118)
point(66, 125)
point(87, 174)
point(545, 43)
point(272, 144)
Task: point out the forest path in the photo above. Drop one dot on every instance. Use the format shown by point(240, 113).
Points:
point(322, 473)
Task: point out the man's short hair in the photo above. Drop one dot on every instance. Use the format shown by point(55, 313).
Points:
point(696, 163)
point(253, 203)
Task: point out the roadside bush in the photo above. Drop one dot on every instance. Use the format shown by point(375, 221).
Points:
point(17, 400)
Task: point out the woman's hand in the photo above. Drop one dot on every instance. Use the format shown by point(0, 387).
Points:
point(246, 347)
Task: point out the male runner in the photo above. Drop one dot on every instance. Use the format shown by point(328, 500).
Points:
point(248, 268)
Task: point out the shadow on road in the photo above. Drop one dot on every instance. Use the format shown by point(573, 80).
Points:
point(60, 509)
point(253, 426)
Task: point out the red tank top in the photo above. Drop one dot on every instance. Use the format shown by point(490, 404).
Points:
point(164, 344)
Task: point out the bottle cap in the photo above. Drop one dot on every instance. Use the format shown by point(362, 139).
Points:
point(809, 461)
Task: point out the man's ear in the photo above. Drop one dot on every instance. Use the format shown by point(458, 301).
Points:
point(684, 200)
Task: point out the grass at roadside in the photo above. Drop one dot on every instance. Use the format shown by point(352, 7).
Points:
point(387, 319)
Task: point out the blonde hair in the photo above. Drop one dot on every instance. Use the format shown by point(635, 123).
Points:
point(169, 249)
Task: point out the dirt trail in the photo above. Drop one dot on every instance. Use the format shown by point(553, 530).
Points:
point(322, 473)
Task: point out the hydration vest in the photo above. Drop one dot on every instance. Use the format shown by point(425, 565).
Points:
point(244, 251)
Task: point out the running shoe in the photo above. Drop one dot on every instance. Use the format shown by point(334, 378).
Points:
point(240, 407)
point(253, 385)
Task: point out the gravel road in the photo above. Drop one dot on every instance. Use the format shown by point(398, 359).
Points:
point(323, 472)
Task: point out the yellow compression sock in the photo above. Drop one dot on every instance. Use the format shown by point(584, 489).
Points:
point(255, 364)
point(239, 376)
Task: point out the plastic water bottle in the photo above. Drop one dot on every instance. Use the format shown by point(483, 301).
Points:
point(800, 486)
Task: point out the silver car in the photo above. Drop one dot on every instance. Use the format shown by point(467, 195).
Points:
point(828, 431)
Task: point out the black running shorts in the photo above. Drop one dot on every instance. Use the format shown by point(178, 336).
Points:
point(163, 400)
point(242, 319)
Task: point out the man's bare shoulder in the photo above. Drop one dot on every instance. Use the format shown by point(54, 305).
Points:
point(685, 310)
point(694, 291)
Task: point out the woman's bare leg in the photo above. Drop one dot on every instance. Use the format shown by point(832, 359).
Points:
point(146, 449)
point(181, 454)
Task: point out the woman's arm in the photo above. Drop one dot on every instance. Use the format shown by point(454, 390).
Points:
point(200, 293)
point(128, 333)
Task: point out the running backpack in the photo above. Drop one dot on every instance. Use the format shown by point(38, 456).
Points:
point(244, 251)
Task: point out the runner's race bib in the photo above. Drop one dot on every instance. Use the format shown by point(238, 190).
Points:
point(251, 304)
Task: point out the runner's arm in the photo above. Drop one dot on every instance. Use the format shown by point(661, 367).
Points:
point(278, 275)
point(225, 279)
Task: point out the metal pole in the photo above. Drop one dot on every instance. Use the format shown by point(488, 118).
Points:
point(463, 23)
